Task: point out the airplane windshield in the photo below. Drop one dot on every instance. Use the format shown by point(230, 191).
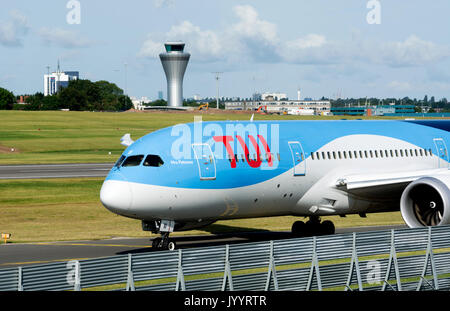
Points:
point(153, 160)
point(133, 161)
point(120, 161)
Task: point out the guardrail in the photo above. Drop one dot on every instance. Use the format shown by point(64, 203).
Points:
point(404, 259)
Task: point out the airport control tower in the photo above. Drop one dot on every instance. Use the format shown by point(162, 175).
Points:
point(174, 62)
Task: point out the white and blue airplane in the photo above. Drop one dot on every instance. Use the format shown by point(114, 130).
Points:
point(191, 175)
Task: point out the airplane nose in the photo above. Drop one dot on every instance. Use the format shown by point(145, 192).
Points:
point(116, 196)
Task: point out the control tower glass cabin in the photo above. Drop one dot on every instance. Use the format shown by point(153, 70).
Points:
point(174, 62)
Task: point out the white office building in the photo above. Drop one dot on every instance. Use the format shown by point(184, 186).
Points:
point(55, 81)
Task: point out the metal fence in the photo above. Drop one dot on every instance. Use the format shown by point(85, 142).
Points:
point(404, 259)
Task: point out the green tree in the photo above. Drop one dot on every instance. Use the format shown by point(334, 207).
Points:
point(7, 99)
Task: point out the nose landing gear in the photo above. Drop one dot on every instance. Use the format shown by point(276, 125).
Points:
point(165, 227)
point(312, 227)
point(164, 243)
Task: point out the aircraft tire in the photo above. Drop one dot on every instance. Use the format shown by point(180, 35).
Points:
point(298, 228)
point(156, 243)
point(327, 227)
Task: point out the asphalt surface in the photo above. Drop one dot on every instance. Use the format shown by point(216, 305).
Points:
point(14, 255)
point(54, 171)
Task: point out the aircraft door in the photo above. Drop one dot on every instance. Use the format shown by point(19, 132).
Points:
point(205, 161)
point(442, 152)
point(298, 158)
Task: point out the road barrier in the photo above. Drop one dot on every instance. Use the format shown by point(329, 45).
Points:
point(404, 259)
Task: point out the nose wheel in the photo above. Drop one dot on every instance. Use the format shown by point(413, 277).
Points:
point(312, 227)
point(164, 243)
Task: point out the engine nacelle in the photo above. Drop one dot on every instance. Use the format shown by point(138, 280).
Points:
point(426, 202)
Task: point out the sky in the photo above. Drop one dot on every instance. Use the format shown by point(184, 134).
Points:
point(331, 48)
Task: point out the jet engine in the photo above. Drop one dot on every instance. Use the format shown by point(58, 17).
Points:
point(426, 202)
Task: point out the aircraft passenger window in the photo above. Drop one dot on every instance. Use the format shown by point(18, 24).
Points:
point(312, 155)
point(376, 154)
point(345, 154)
point(366, 154)
point(386, 153)
point(323, 156)
point(431, 152)
point(133, 161)
point(421, 152)
point(350, 155)
point(381, 153)
point(236, 157)
point(401, 152)
point(153, 160)
point(417, 153)
point(355, 154)
point(339, 155)
point(329, 155)
point(361, 155)
point(334, 155)
point(242, 157)
point(396, 153)
point(120, 161)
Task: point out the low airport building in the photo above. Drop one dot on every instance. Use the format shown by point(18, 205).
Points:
point(381, 110)
point(297, 107)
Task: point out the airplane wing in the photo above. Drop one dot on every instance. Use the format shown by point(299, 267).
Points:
point(126, 140)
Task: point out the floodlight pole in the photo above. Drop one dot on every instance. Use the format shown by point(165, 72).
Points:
point(217, 84)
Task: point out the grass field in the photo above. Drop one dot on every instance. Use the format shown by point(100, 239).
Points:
point(70, 209)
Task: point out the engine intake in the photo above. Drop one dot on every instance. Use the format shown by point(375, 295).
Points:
point(426, 202)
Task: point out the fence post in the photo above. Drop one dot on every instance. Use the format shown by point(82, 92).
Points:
point(354, 265)
point(19, 280)
point(130, 278)
point(180, 275)
point(272, 271)
point(77, 285)
point(392, 260)
point(429, 258)
point(314, 268)
point(227, 271)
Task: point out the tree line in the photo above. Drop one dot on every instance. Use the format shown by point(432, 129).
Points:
point(79, 95)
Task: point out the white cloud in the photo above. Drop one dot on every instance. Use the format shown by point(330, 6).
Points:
point(252, 39)
point(11, 32)
point(411, 52)
point(63, 38)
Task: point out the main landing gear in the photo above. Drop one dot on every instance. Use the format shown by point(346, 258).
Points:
point(312, 227)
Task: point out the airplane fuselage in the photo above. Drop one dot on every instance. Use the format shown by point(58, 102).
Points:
point(201, 172)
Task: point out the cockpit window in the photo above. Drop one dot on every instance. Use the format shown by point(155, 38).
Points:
point(120, 161)
point(153, 160)
point(133, 161)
